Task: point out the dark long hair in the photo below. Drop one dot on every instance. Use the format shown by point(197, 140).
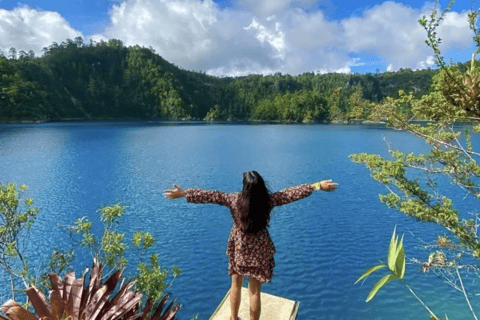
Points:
point(253, 203)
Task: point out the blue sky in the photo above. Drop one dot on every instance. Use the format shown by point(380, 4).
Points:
point(238, 37)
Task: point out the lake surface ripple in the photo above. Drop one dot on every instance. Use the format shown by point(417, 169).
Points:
point(324, 243)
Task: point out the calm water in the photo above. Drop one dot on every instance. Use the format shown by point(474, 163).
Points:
point(323, 242)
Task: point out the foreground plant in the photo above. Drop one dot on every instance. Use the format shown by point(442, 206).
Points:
point(111, 247)
point(16, 218)
point(396, 267)
point(70, 299)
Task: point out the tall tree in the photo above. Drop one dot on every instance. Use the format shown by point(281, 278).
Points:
point(12, 53)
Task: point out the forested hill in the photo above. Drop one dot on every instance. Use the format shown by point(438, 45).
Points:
point(108, 80)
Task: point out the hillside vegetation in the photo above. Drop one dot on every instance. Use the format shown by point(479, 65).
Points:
point(107, 80)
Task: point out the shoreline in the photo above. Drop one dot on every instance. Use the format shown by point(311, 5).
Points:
point(193, 121)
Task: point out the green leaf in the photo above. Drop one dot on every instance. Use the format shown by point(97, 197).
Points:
point(176, 271)
point(400, 261)
point(147, 240)
point(137, 238)
point(386, 279)
point(392, 254)
point(370, 271)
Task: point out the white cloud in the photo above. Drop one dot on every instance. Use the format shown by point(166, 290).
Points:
point(173, 28)
point(28, 29)
point(241, 68)
point(197, 35)
point(253, 36)
point(270, 36)
point(313, 42)
point(430, 61)
point(264, 8)
point(391, 31)
point(345, 69)
point(455, 32)
point(355, 62)
point(276, 38)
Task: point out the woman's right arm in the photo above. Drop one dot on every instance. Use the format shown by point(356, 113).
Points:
point(208, 196)
point(200, 195)
point(175, 193)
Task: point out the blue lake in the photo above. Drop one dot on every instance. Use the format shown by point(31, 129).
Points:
point(324, 242)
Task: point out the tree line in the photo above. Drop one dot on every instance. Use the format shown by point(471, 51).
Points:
point(108, 80)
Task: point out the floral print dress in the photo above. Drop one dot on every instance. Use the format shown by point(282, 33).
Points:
point(249, 255)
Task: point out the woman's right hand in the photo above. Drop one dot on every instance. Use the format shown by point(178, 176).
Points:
point(177, 192)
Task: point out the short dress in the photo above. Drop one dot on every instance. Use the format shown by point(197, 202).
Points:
point(249, 255)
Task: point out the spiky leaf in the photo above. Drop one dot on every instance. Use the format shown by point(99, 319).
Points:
point(400, 261)
point(386, 279)
point(392, 251)
point(370, 271)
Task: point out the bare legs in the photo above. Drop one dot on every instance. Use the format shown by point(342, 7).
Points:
point(254, 287)
point(235, 295)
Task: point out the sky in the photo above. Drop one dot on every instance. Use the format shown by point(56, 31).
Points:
point(241, 37)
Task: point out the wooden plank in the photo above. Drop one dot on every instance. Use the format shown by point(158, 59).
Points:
point(273, 307)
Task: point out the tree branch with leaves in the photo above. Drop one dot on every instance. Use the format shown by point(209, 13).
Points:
point(412, 180)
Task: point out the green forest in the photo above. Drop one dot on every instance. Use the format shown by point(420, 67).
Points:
point(108, 80)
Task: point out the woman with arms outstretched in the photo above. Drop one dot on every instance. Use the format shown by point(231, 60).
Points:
point(250, 250)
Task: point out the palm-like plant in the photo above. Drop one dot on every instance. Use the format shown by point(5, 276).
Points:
point(70, 299)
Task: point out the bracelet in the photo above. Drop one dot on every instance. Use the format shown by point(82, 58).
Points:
point(317, 186)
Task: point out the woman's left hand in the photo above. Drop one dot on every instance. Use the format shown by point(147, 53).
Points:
point(328, 185)
point(177, 192)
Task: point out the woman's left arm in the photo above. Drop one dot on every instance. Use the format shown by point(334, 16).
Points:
point(291, 194)
point(299, 192)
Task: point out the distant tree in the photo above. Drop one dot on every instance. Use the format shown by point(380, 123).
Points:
point(79, 42)
point(357, 106)
point(23, 55)
point(214, 113)
point(335, 112)
point(12, 53)
point(115, 43)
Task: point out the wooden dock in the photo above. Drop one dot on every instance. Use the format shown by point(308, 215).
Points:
point(273, 308)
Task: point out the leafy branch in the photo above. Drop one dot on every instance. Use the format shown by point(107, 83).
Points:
point(15, 224)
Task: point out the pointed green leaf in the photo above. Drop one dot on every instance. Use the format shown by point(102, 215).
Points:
point(370, 271)
point(400, 261)
point(446, 317)
point(392, 254)
point(386, 279)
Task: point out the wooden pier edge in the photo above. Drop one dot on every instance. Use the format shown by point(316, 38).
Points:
point(290, 307)
point(220, 305)
point(295, 310)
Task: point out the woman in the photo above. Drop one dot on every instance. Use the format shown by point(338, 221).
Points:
point(250, 249)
